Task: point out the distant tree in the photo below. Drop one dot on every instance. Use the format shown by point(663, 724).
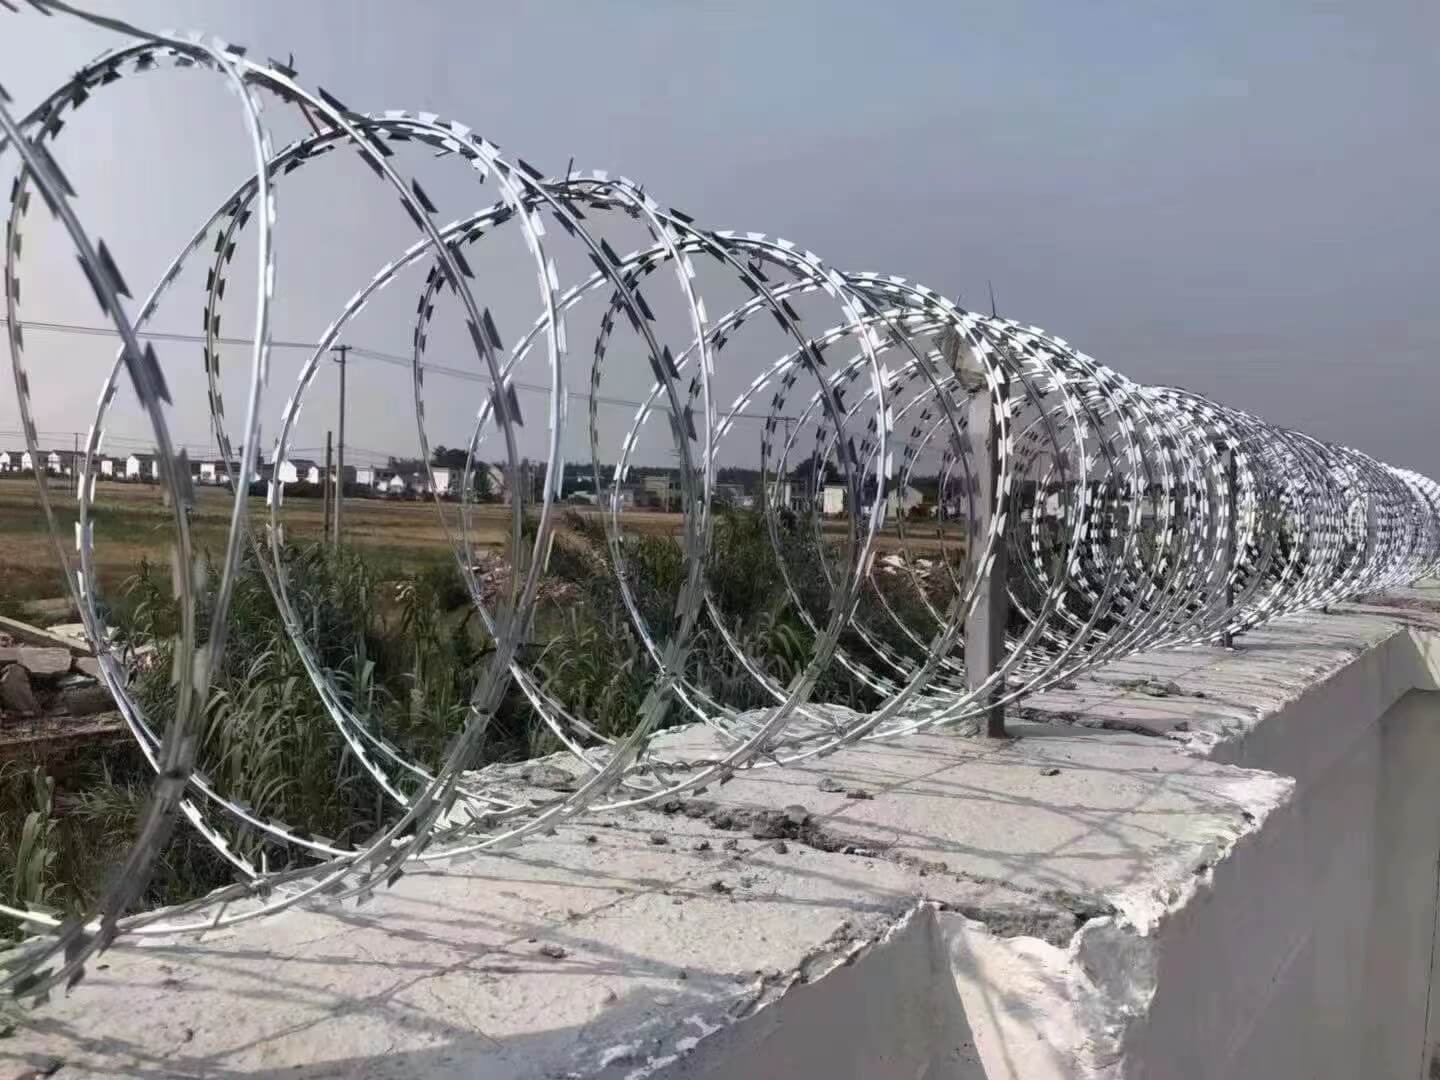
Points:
point(484, 483)
point(444, 458)
point(804, 472)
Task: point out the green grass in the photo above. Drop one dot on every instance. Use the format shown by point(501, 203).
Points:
point(404, 648)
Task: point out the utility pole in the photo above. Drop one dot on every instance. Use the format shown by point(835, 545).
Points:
point(75, 465)
point(325, 490)
point(340, 456)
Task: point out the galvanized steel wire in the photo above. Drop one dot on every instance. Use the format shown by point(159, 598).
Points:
point(1132, 517)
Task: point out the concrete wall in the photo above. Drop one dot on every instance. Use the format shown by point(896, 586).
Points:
point(1234, 878)
point(895, 1012)
point(1311, 954)
point(1305, 954)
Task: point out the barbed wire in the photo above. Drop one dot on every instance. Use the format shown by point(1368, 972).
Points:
point(1132, 517)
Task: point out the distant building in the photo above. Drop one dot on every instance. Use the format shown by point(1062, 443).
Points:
point(661, 491)
point(902, 501)
point(631, 496)
point(733, 495)
point(290, 471)
point(142, 467)
point(107, 467)
point(832, 499)
point(401, 482)
point(217, 472)
point(780, 494)
point(9, 461)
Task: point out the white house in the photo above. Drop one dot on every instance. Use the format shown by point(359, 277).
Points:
point(781, 493)
point(902, 502)
point(832, 499)
point(363, 476)
point(399, 483)
point(8, 462)
point(56, 463)
point(107, 467)
point(442, 481)
point(312, 473)
point(142, 467)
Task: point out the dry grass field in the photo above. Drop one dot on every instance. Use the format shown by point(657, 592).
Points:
point(132, 522)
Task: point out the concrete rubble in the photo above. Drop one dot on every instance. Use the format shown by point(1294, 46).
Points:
point(48, 678)
point(16, 694)
point(44, 664)
point(989, 909)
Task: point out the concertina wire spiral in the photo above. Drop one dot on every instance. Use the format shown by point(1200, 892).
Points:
point(1131, 517)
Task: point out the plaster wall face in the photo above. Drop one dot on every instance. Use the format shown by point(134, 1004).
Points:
point(1309, 954)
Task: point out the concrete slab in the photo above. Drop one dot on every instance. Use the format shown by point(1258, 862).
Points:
point(44, 665)
point(26, 634)
point(1029, 873)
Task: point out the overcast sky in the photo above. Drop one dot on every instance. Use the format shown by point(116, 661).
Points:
point(1236, 197)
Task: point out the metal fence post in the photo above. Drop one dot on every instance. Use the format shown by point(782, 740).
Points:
point(985, 628)
point(1227, 639)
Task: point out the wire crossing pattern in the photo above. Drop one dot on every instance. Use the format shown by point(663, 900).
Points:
point(1132, 517)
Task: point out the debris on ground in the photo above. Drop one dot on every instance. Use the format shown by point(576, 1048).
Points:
point(1153, 687)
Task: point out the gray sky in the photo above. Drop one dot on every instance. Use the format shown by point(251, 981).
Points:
point(1236, 197)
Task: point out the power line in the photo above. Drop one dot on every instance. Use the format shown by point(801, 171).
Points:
point(393, 359)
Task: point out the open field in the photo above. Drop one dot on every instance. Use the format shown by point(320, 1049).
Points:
point(132, 522)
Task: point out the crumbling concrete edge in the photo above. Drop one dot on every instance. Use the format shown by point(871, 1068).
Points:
point(1075, 1011)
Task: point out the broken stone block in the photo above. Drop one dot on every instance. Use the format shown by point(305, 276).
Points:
point(44, 664)
point(88, 665)
point(16, 696)
point(73, 634)
point(9, 654)
point(87, 700)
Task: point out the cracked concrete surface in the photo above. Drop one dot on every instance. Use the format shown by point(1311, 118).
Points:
point(993, 909)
